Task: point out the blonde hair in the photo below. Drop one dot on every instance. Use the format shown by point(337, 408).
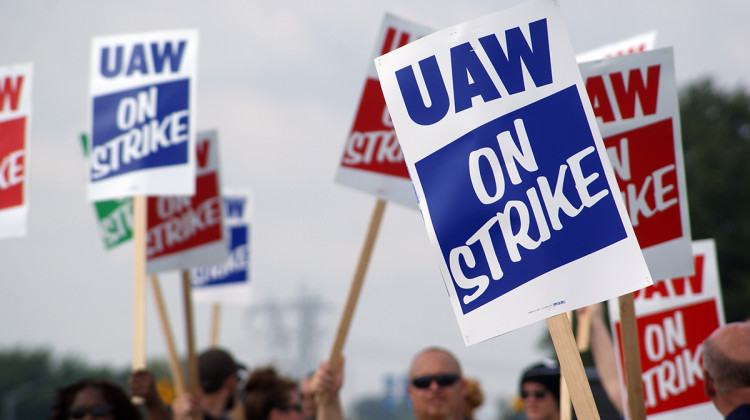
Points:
point(474, 397)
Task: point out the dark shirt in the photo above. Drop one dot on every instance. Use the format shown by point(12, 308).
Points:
point(740, 413)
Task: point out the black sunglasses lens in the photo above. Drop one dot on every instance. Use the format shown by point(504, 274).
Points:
point(537, 394)
point(446, 380)
point(422, 382)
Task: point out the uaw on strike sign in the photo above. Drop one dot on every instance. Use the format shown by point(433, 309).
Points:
point(372, 159)
point(15, 122)
point(512, 178)
point(143, 115)
point(187, 231)
point(229, 281)
point(674, 317)
point(634, 98)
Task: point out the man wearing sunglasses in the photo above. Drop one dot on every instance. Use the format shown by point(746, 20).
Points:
point(436, 386)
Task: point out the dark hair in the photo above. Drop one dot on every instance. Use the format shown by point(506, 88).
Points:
point(547, 374)
point(266, 390)
point(112, 393)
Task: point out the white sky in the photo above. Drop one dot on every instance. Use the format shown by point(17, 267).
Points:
point(280, 81)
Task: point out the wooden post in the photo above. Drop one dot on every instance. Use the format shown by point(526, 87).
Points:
point(215, 316)
point(174, 360)
point(565, 407)
point(192, 358)
point(356, 287)
point(571, 367)
point(631, 358)
point(139, 285)
point(583, 330)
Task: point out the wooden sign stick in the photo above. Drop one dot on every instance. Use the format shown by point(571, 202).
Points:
point(583, 330)
point(565, 407)
point(174, 360)
point(355, 288)
point(571, 367)
point(192, 358)
point(215, 316)
point(139, 283)
point(631, 357)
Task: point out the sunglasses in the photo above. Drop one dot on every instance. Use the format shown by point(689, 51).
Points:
point(536, 394)
point(289, 407)
point(442, 379)
point(96, 411)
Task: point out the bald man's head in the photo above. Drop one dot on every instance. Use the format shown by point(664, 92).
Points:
point(436, 387)
point(726, 357)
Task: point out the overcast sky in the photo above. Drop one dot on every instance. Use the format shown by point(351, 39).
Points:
point(280, 82)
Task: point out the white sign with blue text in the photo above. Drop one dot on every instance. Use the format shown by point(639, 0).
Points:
point(511, 174)
point(229, 281)
point(142, 91)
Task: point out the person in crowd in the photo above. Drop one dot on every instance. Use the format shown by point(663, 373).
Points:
point(436, 387)
point(142, 385)
point(726, 370)
point(540, 391)
point(474, 398)
point(218, 372)
point(270, 396)
point(93, 399)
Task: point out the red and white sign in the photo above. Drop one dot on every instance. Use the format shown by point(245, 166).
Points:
point(635, 102)
point(674, 317)
point(187, 231)
point(15, 122)
point(372, 159)
point(635, 44)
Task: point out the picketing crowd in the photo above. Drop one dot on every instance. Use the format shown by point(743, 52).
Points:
point(437, 388)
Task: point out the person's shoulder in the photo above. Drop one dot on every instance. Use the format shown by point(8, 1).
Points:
point(742, 412)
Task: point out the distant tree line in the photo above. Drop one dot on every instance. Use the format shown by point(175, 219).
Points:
point(29, 378)
point(716, 141)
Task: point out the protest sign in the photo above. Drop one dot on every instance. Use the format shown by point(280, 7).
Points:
point(635, 44)
point(674, 317)
point(186, 231)
point(634, 98)
point(372, 159)
point(229, 281)
point(142, 91)
point(518, 196)
point(15, 125)
point(114, 217)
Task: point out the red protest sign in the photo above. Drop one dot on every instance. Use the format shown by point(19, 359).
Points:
point(634, 99)
point(372, 160)
point(671, 354)
point(187, 231)
point(650, 188)
point(674, 316)
point(15, 122)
